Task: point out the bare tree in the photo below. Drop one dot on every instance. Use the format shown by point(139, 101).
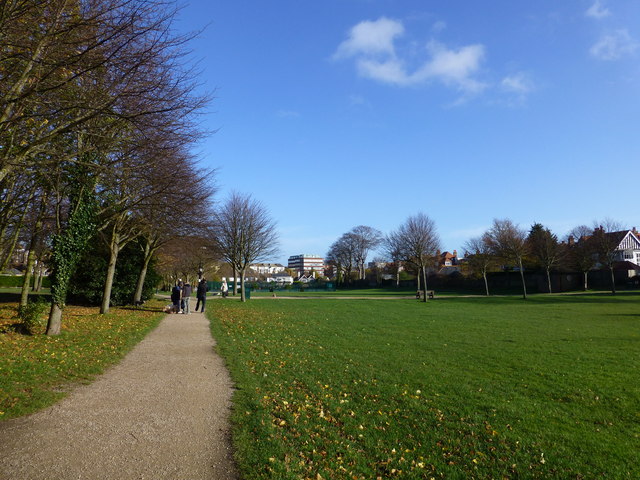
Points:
point(420, 244)
point(364, 240)
point(243, 233)
point(606, 239)
point(508, 241)
point(581, 252)
point(158, 220)
point(392, 246)
point(342, 255)
point(68, 63)
point(480, 258)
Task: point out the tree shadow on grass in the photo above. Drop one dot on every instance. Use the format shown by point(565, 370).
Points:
point(14, 297)
point(548, 299)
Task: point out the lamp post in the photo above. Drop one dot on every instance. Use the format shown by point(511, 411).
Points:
point(200, 266)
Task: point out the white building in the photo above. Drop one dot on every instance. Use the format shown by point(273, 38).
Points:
point(305, 263)
point(628, 246)
point(281, 278)
point(267, 268)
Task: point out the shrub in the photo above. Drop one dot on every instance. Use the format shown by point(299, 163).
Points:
point(87, 283)
point(32, 316)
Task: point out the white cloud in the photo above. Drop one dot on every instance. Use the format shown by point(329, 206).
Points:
point(373, 47)
point(454, 66)
point(519, 83)
point(613, 46)
point(598, 10)
point(439, 26)
point(371, 38)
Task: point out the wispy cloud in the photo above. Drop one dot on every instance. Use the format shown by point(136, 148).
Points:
point(371, 38)
point(439, 26)
point(614, 46)
point(372, 46)
point(519, 83)
point(598, 10)
point(516, 88)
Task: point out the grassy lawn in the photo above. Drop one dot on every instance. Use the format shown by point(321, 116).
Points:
point(457, 388)
point(36, 371)
point(356, 292)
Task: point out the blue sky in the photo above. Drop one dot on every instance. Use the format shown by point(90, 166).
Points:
point(363, 112)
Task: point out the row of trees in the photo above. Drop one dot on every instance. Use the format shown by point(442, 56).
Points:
point(98, 117)
point(507, 244)
point(416, 245)
point(415, 242)
point(349, 253)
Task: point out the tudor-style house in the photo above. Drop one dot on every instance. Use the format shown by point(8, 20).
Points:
point(628, 246)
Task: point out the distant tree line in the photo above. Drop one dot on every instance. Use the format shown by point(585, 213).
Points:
point(415, 246)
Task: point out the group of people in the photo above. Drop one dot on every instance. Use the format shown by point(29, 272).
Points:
point(181, 294)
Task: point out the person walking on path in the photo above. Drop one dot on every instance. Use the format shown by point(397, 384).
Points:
point(186, 295)
point(201, 293)
point(176, 295)
point(161, 413)
point(224, 288)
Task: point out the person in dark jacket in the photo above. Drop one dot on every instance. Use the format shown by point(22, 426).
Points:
point(176, 294)
point(201, 293)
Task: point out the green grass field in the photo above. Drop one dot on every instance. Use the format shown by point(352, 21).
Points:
point(361, 292)
point(455, 388)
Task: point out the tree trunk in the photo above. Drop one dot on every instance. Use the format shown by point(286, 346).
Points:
point(398, 277)
point(549, 280)
point(41, 270)
point(24, 294)
point(31, 256)
point(37, 281)
point(235, 275)
point(585, 276)
point(114, 249)
point(486, 283)
point(148, 253)
point(55, 319)
point(613, 280)
point(18, 228)
point(12, 245)
point(242, 294)
point(524, 286)
point(424, 277)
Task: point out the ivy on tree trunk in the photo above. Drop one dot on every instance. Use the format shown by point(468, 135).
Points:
point(67, 248)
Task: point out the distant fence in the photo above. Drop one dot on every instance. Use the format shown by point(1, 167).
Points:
point(278, 287)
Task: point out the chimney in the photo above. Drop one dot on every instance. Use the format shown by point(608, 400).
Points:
point(571, 240)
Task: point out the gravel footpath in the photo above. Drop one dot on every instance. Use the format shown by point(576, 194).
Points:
point(162, 413)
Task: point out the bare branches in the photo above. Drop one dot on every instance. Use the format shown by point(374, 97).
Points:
point(243, 233)
point(417, 242)
point(507, 240)
point(65, 64)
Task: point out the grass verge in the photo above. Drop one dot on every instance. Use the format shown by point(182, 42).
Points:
point(456, 388)
point(36, 370)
